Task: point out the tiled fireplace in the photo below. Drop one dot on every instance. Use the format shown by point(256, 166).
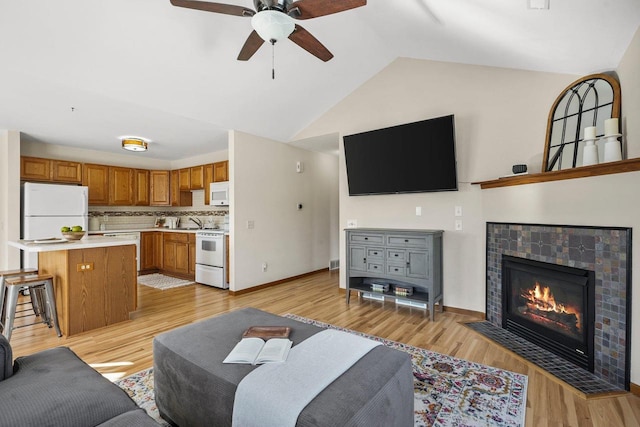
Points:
point(591, 292)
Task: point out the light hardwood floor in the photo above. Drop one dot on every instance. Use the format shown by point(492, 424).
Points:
point(123, 349)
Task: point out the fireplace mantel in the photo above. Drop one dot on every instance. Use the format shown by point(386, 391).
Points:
point(630, 165)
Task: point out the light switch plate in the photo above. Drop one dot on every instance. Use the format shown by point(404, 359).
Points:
point(418, 210)
point(458, 211)
point(458, 225)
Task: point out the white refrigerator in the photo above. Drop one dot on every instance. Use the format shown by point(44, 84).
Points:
point(46, 208)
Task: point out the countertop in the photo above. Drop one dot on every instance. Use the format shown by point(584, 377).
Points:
point(86, 242)
point(164, 229)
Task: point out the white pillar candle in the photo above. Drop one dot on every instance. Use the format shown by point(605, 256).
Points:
point(611, 127)
point(590, 132)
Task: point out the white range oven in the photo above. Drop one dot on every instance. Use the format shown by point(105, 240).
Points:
point(210, 258)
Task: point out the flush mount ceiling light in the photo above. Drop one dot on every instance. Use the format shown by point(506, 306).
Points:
point(272, 25)
point(538, 4)
point(134, 144)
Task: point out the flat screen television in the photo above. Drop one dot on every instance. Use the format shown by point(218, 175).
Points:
point(410, 158)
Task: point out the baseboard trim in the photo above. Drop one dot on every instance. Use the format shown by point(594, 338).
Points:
point(478, 314)
point(635, 389)
point(270, 284)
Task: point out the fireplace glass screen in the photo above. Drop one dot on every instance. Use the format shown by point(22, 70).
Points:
point(550, 305)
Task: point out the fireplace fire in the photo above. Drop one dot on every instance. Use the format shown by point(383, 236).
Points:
point(551, 306)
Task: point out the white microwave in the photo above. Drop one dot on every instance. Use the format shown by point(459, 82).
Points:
point(219, 193)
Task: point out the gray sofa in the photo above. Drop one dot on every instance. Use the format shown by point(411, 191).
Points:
point(56, 388)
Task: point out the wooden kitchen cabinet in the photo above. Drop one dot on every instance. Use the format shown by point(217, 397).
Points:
point(208, 179)
point(63, 171)
point(179, 198)
point(150, 251)
point(141, 187)
point(38, 169)
point(197, 177)
point(96, 177)
point(35, 169)
point(184, 179)
point(192, 255)
point(159, 188)
point(221, 171)
point(95, 287)
point(175, 253)
point(120, 186)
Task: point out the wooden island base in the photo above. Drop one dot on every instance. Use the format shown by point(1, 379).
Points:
point(95, 287)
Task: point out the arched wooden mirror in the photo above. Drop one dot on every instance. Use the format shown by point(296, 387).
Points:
point(586, 102)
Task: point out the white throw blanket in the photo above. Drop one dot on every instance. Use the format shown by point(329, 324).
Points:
point(275, 393)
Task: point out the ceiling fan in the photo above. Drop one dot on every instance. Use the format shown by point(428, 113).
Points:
point(273, 20)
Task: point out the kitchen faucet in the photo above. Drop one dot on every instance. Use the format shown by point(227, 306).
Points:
point(197, 222)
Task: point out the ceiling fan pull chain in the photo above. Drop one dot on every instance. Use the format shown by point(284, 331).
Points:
point(273, 59)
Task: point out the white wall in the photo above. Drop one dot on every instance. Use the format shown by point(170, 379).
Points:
point(265, 189)
point(9, 198)
point(629, 75)
point(501, 117)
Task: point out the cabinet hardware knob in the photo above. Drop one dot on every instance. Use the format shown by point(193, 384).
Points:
point(406, 240)
point(366, 238)
point(396, 255)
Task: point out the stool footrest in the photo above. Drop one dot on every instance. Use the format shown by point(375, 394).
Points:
point(29, 279)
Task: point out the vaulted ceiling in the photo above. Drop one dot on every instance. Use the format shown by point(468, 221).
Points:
point(82, 73)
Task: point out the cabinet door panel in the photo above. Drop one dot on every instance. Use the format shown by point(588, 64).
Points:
point(208, 179)
point(86, 290)
point(221, 171)
point(418, 264)
point(182, 258)
point(357, 258)
point(185, 179)
point(141, 187)
point(197, 177)
point(120, 186)
point(96, 177)
point(34, 168)
point(62, 171)
point(159, 188)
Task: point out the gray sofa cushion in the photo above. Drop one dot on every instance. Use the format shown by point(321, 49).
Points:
point(56, 388)
point(6, 359)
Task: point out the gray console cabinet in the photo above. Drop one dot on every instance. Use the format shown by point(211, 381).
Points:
point(396, 257)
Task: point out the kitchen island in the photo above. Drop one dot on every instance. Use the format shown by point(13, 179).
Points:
point(94, 278)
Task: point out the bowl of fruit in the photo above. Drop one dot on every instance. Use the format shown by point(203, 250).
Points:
point(72, 233)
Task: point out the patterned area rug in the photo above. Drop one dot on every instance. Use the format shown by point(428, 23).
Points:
point(160, 281)
point(448, 391)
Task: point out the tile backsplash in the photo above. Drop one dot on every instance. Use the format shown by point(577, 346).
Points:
point(136, 217)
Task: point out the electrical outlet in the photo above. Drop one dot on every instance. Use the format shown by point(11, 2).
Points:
point(251, 224)
point(264, 267)
point(352, 223)
point(458, 225)
point(458, 211)
point(418, 210)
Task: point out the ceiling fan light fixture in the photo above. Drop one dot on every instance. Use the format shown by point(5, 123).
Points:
point(272, 25)
point(134, 144)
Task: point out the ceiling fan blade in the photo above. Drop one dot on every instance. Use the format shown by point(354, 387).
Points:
point(305, 40)
point(251, 46)
point(306, 9)
point(227, 9)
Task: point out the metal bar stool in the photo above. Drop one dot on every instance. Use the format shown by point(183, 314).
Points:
point(34, 284)
point(16, 273)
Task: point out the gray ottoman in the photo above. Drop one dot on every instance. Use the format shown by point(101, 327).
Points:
point(194, 388)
